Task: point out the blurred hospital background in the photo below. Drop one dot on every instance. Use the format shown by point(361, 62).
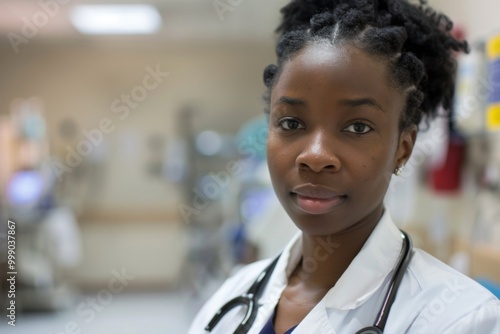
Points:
point(132, 159)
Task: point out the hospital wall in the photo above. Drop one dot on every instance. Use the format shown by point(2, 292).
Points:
point(124, 211)
point(480, 18)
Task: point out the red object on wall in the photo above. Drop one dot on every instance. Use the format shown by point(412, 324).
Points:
point(447, 178)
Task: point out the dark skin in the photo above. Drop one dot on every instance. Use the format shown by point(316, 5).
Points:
point(334, 142)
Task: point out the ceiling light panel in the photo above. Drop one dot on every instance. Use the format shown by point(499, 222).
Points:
point(116, 19)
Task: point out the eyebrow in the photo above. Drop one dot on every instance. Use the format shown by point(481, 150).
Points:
point(290, 101)
point(365, 101)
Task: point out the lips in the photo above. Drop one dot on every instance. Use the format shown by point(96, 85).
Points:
point(317, 199)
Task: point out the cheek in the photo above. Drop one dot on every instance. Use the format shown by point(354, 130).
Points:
point(381, 167)
point(275, 145)
point(279, 156)
point(272, 152)
point(375, 167)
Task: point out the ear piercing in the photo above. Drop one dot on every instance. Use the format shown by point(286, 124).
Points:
point(399, 170)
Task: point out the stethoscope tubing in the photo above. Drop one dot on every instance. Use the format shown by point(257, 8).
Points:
point(405, 258)
point(403, 262)
point(250, 300)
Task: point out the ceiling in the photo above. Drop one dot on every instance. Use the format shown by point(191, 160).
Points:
point(185, 20)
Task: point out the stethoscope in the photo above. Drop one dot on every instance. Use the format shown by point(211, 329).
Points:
point(250, 299)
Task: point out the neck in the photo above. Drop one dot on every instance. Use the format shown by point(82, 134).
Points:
point(325, 258)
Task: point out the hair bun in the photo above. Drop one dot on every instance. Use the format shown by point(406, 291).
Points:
point(269, 74)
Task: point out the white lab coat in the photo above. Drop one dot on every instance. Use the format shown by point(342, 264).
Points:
point(432, 297)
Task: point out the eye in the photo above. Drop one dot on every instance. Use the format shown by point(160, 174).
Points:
point(290, 124)
point(358, 128)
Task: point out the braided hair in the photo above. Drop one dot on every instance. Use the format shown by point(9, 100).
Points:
point(413, 39)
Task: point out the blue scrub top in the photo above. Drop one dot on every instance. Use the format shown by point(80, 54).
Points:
point(269, 328)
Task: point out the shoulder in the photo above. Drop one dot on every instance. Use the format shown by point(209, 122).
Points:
point(440, 298)
point(432, 275)
point(234, 286)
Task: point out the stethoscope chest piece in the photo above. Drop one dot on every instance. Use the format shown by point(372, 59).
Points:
point(370, 330)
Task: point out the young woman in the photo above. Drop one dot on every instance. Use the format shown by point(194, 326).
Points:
point(354, 80)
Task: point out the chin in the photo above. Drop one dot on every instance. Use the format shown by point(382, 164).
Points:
point(319, 225)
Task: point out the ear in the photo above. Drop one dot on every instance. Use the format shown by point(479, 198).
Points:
point(407, 140)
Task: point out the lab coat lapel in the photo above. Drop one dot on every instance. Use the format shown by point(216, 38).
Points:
point(316, 322)
point(369, 268)
point(288, 260)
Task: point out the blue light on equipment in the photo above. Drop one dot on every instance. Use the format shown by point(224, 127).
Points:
point(25, 188)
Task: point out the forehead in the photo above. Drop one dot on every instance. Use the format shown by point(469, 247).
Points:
point(324, 72)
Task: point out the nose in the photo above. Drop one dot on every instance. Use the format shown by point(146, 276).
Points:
point(318, 155)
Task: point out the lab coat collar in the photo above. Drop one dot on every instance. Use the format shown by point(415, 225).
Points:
point(369, 268)
point(365, 274)
point(287, 262)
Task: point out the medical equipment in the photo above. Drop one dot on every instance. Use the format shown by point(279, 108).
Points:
point(250, 299)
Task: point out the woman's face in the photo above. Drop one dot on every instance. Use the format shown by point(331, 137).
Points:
point(334, 138)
